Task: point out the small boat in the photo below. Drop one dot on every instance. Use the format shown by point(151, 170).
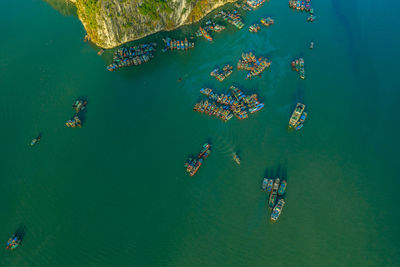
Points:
point(269, 185)
point(101, 51)
point(282, 188)
point(264, 184)
point(13, 242)
point(267, 21)
point(236, 158)
point(311, 45)
point(205, 34)
point(36, 140)
point(254, 28)
point(293, 122)
point(276, 212)
point(311, 18)
point(79, 105)
point(274, 193)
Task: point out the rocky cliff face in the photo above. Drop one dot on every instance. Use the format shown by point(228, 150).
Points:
point(110, 23)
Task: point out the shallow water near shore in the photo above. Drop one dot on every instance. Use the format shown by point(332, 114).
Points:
point(115, 193)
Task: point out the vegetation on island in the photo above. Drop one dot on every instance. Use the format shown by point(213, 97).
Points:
point(152, 8)
point(87, 11)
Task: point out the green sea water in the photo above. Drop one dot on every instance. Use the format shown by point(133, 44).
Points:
point(115, 193)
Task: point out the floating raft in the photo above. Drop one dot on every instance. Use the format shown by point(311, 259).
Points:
point(255, 3)
point(226, 106)
point(298, 66)
point(177, 44)
point(132, 56)
point(221, 75)
point(252, 64)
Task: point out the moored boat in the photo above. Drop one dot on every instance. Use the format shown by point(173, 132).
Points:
point(270, 183)
point(236, 158)
point(294, 119)
point(205, 34)
point(13, 242)
point(274, 193)
point(254, 28)
point(267, 21)
point(192, 165)
point(282, 188)
point(79, 105)
point(36, 140)
point(264, 184)
point(276, 212)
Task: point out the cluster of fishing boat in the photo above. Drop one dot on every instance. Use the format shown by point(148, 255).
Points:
point(79, 106)
point(267, 21)
point(275, 190)
point(177, 44)
point(254, 28)
point(252, 64)
point(232, 18)
point(243, 6)
point(192, 165)
point(226, 106)
point(210, 27)
point(298, 66)
point(132, 56)
point(221, 75)
point(303, 5)
point(298, 117)
point(255, 3)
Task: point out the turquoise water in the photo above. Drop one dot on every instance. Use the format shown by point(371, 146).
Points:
point(115, 192)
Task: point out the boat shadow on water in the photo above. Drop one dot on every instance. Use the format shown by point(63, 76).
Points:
point(20, 232)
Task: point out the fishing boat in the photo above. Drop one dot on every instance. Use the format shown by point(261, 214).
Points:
point(274, 193)
point(236, 158)
point(79, 105)
point(255, 3)
point(226, 106)
point(254, 28)
point(132, 56)
point(282, 188)
point(75, 122)
point(298, 111)
point(222, 75)
point(298, 66)
point(311, 18)
point(36, 140)
point(205, 34)
point(101, 51)
point(301, 121)
point(192, 165)
point(270, 183)
point(264, 184)
point(276, 212)
point(13, 242)
point(267, 21)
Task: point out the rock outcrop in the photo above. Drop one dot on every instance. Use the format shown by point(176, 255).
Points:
point(110, 23)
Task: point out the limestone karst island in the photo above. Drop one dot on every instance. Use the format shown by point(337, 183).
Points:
point(199, 133)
